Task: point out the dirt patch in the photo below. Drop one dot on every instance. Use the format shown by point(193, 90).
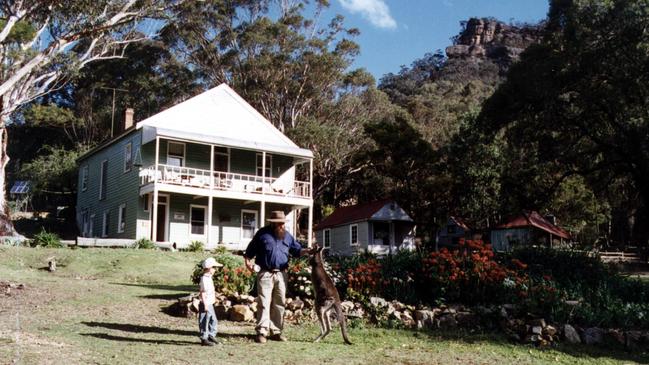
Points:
point(8, 289)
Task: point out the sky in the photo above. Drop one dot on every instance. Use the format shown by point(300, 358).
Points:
point(396, 32)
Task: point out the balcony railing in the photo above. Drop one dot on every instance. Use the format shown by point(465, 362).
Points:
point(224, 181)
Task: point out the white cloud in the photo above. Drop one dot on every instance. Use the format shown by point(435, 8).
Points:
point(376, 11)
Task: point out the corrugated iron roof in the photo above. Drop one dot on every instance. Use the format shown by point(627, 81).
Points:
point(352, 213)
point(460, 222)
point(533, 218)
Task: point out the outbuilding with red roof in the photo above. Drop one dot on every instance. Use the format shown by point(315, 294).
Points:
point(527, 228)
point(379, 227)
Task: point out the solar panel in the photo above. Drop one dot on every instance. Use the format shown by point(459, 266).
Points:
point(20, 187)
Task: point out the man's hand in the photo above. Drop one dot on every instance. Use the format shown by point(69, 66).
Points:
point(249, 264)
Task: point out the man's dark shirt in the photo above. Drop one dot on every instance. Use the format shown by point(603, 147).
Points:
point(271, 253)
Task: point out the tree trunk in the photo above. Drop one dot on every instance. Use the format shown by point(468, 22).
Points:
point(6, 225)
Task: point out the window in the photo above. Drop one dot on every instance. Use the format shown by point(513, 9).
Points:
point(269, 165)
point(105, 224)
point(128, 157)
point(121, 218)
point(146, 202)
point(91, 225)
point(327, 238)
point(450, 229)
point(197, 220)
point(103, 177)
point(222, 159)
point(84, 178)
point(353, 234)
point(248, 224)
point(175, 154)
point(84, 223)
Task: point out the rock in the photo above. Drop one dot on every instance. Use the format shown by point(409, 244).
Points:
point(396, 315)
point(615, 337)
point(537, 330)
point(390, 309)
point(347, 306)
point(446, 322)
point(253, 306)
point(308, 303)
point(295, 305)
point(633, 339)
point(247, 299)
point(570, 334)
point(467, 320)
point(592, 336)
point(398, 306)
point(503, 312)
point(51, 265)
point(222, 311)
point(378, 302)
point(241, 313)
point(550, 331)
point(539, 322)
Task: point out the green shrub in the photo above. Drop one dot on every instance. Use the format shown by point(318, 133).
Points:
point(196, 246)
point(47, 239)
point(232, 278)
point(144, 244)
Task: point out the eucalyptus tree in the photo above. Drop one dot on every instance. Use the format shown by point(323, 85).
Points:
point(44, 42)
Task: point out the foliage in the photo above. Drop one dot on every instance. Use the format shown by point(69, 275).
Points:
point(46, 239)
point(232, 278)
point(144, 244)
point(196, 246)
point(55, 169)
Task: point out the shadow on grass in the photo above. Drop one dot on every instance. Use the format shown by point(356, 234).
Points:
point(184, 288)
point(126, 327)
point(105, 336)
point(575, 350)
point(164, 296)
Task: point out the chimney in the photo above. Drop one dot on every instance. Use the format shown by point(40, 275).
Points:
point(128, 118)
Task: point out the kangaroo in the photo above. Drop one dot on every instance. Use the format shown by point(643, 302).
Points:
point(326, 297)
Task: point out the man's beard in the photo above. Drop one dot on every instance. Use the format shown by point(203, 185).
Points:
point(280, 233)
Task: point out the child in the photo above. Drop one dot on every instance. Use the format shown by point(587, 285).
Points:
point(207, 318)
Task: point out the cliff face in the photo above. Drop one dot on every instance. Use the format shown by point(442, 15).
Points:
point(484, 38)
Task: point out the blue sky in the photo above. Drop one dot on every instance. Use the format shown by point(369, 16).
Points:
point(396, 32)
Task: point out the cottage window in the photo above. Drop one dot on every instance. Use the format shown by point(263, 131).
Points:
point(121, 218)
point(222, 159)
point(353, 234)
point(146, 202)
point(248, 224)
point(84, 223)
point(103, 180)
point(175, 154)
point(128, 157)
point(268, 167)
point(105, 224)
point(84, 178)
point(327, 238)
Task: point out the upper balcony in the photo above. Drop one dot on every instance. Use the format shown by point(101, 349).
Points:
point(178, 176)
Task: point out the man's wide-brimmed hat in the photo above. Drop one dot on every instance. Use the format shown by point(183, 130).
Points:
point(277, 216)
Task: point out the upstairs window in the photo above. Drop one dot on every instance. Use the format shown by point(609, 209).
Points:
point(84, 178)
point(103, 180)
point(175, 154)
point(222, 159)
point(261, 167)
point(128, 157)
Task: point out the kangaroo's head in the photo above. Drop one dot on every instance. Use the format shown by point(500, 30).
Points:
point(316, 256)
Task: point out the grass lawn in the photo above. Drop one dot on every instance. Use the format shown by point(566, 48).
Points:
point(103, 306)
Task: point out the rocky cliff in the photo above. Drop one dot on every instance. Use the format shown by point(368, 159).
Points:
point(486, 38)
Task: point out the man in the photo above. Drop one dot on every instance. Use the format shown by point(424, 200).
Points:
point(270, 248)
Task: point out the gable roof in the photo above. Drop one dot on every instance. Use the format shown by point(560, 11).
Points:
point(379, 210)
point(219, 116)
point(534, 219)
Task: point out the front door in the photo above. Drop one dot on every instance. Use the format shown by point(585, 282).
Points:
point(161, 224)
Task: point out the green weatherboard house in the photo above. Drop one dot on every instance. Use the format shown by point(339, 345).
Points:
point(209, 169)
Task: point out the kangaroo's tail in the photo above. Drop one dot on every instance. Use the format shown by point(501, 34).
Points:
point(343, 323)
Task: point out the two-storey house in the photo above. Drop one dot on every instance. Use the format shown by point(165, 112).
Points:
point(209, 169)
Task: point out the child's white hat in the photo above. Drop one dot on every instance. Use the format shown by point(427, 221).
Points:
point(211, 262)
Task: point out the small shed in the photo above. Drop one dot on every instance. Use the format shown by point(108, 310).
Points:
point(527, 228)
point(379, 227)
point(454, 230)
